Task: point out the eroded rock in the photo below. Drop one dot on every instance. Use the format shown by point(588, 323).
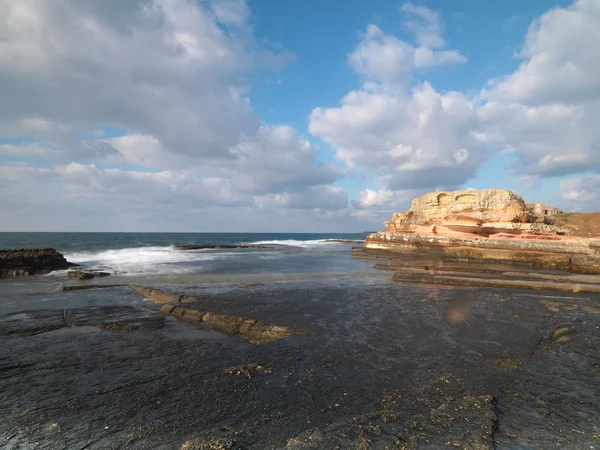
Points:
point(81, 287)
point(497, 282)
point(250, 330)
point(492, 226)
point(30, 261)
point(158, 296)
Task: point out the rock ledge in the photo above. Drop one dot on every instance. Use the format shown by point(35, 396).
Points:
point(30, 261)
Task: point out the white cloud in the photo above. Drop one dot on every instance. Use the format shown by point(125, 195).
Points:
point(170, 73)
point(385, 58)
point(546, 112)
point(420, 139)
point(426, 24)
point(385, 199)
point(85, 197)
point(171, 69)
point(582, 189)
point(328, 198)
point(411, 136)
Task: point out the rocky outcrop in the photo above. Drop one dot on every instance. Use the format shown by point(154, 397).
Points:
point(78, 274)
point(251, 330)
point(158, 296)
point(478, 213)
point(29, 261)
point(492, 226)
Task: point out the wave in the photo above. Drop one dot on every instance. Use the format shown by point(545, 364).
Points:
point(293, 243)
point(140, 260)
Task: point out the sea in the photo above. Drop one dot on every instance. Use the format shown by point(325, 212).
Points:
point(152, 259)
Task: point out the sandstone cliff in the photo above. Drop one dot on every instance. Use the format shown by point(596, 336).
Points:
point(487, 226)
point(29, 261)
point(481, 213)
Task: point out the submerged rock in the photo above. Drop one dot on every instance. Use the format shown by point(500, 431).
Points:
point(78, 274)
point(158, 296)
point(251, 330)
point(30, 261)
point(82, 287)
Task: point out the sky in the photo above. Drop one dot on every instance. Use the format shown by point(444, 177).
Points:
point(289, 116)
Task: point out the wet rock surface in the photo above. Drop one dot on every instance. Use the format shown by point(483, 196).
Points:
point(386, 365)
point(30, 261)
point(78, 274)
point(251, 330)
point(162, 296)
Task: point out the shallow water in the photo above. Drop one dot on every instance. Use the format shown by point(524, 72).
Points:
point(376, 364)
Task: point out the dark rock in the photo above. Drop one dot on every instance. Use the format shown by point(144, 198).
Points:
point(29, 261)
point(251, 330)
point(80, 275)
point(101, 274)
point(80, 287)
point(158, 296)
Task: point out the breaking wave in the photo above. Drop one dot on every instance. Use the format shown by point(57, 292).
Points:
point(141, 260)
point(293, 243)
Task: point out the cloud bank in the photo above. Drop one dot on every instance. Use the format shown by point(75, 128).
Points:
point(134, 114)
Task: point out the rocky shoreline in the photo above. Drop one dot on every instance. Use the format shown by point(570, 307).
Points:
point(367, 365)
point(482, 227)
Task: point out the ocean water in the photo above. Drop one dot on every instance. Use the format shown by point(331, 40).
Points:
point(152, 259)
point(155, 253)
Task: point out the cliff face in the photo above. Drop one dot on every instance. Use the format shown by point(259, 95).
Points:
point(29, 261)
point(478, 213)
point(486, 226)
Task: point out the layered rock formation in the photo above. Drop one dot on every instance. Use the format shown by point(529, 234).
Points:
point(479, 213)
point(486, 226)
point(29, 261)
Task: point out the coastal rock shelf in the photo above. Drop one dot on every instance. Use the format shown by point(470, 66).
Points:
point(251, 330)
point(483, 227)
point(30, 261)
point(78, 274)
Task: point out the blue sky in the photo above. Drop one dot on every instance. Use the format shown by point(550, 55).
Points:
point(178, 115)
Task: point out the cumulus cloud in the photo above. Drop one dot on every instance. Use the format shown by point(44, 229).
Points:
point(385, 199)
point(546, 112)
point(168, 68)
point(315, 197)
point(169, 77)
point(383, 57)
point(582, 190)
point(410, 135)
point(413, 137)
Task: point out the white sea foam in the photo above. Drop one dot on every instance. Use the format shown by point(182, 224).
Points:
point(294, 243)
point(141, 260)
